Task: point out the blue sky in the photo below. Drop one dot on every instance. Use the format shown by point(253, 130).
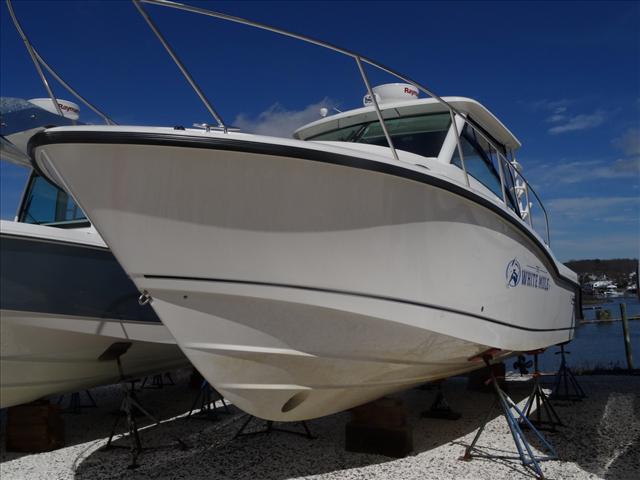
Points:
point(563, 76)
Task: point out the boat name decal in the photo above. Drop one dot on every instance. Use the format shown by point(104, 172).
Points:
point(410, 91)
point(533, 277)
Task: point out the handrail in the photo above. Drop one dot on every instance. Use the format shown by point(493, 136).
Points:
point(32, 54)
point(180, 65)
point(39, 62)
point(360, 59)
point(60, 80)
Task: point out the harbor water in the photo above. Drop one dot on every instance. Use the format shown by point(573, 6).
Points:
point(598, 345)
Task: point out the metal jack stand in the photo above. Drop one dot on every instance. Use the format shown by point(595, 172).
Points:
point(208, 407)
point(157, 381)
point(566, 380)
point(542, 401)
point(75, 403)
point(270, 428)
point(525, 454)
point(129, 407)
point(440, 407)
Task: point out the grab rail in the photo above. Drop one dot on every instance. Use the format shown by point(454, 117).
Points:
point(519, 190)
point(360, 59)
point(38, 63)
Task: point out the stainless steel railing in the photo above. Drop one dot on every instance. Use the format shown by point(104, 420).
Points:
point(521, 194)
point(38, 63)
point(520, 189)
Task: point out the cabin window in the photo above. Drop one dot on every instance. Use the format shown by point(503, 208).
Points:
point(46, 204)
point(422, 134)
point(481, 162)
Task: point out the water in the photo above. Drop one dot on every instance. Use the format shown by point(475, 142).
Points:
point(598, 345)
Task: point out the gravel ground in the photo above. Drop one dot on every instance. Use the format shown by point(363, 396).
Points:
point(601, 440)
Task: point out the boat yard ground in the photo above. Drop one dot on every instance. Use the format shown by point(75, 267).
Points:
point(601, 441)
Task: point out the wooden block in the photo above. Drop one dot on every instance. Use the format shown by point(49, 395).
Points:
point(385, 413)
point(34, 428)
point(391, 442)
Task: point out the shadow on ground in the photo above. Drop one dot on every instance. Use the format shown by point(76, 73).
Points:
point(95, 423)
point(601, 438)
point(602, 432)
point(214, 452)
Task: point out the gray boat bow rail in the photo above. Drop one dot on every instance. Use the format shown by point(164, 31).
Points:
point(518, 186)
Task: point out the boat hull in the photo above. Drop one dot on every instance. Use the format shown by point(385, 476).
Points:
point(63, 303)
point(304, 286)
point(44, 354)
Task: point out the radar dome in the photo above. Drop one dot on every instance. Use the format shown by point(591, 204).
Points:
point(392, 92)
point(69, 109)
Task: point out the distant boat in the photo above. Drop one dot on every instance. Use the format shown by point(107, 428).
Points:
point(612, 291)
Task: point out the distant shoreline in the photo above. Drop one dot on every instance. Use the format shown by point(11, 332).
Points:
point(608, 320)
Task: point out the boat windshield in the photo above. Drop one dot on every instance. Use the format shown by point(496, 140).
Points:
point(421, 134)
point(46, 204)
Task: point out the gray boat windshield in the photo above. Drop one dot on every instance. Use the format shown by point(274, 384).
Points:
point(421, 134)
point(46, 204)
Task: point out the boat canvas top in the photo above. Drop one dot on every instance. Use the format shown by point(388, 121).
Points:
point(406, 108)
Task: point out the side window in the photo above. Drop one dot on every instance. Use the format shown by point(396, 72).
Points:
point(481, 162)
point(477, 162)
point(46, 204)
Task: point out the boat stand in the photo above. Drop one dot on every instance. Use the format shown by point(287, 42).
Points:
point(268, 428)
point(129, 407)
point(208, 408)
point(157, 381)
point(75, 403)
point(542, 402)
point(440, 408)
point(566, 386)
point(525, 454)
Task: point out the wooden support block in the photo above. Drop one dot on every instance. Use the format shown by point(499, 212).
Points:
point(391, 442)
point(385, 412)
point(380, 427)
point(478, 380)
point(34, 427)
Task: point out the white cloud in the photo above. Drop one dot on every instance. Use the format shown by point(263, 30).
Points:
point(556, 117)
point(579, 122)
point(595, 209)
point(279, 122)
point(584, 171)
point(556, 106)
point(598, 245)
point(629, 141)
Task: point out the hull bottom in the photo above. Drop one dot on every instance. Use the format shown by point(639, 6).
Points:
point(43, 355)
point(285, 359)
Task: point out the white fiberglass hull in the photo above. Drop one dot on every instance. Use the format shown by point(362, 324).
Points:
point(42, 354)
point(302, 281)
point(65, 300)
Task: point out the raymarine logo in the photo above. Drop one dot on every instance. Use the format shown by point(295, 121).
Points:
point(513, 273)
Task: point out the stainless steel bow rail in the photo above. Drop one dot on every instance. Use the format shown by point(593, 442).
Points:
point(512, 182)
point(39, 62)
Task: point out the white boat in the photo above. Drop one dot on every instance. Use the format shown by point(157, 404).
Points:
point(306, 276)
point(64, 299)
